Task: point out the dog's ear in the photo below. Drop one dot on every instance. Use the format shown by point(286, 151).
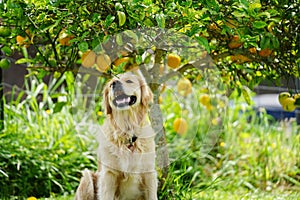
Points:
point(146, 94)
point(106, 105)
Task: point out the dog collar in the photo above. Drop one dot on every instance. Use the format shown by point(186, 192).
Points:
point(131, 141)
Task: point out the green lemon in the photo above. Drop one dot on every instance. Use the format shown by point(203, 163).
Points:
point(4, 63)
point(4, 31)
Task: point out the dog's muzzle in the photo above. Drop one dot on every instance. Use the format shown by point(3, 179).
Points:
point(124, 100)
point(121, 99)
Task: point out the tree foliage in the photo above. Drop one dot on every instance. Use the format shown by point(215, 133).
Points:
point(248, 40)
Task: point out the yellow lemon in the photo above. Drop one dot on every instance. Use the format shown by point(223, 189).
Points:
point(160, 100)
point(289, 104)
point(296, 96)
point(283, 96)
point(64, 38)
point(123, 60)
point(103, 62)
point(222, 144)
point(235, 42)
point(88, 59)
point(180, 126)
point(21, 40)
point(65, 41)
point(184, 86)
point(173, 60)
point(204, 99)
point(265, 52)
point(31, 198)
point(252, 50)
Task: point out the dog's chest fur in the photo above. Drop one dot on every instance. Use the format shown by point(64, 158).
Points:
point(114, 152)
point(130, 187)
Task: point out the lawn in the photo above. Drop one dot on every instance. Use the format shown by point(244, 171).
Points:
point(228, 152)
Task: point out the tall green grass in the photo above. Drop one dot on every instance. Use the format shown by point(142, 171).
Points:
point(229, 152)
point(41, 152)
point(249, 155)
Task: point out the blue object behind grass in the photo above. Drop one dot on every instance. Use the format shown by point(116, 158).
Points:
point(272, 106)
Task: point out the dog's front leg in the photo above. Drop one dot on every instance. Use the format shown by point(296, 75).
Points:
point(107, 185)
point(151, 185)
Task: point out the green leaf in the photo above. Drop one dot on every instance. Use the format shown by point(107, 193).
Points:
point(297, 102)
point(259, 24)
point(138, 59)
point(148, 22)
point(265, 42)
point(275, 42)
point(132, 35)
point(239, 14)
point(246, 94)
point(160, 19)
point(83, 46)
point(254, 6)
point(59, 106)
point(118, 6)
point(204, 42)
point(119, 39)
point(96, 17)
point(122, 18)
point(24, 60)
point(109, 19)
point(7, 50)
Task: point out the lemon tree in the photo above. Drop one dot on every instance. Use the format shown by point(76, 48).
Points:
point(248, 41)
point(223, 28)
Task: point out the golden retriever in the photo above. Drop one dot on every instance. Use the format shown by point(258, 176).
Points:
point(126, 152)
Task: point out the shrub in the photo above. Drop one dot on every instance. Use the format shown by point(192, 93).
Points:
point(41, 150)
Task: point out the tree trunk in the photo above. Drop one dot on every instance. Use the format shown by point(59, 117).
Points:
point(162, 157)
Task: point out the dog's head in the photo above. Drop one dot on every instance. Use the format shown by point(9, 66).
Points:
point(126, 91)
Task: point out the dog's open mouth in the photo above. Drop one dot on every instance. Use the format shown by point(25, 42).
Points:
point(124, 100)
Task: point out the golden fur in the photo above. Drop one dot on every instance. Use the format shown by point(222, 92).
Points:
point(126, 153)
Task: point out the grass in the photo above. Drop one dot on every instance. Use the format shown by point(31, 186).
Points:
point(228, 152)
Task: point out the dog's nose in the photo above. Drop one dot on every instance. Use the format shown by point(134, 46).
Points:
point(116, 85)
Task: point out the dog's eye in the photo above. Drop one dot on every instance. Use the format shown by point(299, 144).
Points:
point(129, 81)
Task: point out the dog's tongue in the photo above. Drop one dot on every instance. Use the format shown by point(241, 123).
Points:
point(123, 100)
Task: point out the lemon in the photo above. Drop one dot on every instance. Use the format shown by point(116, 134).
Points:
point(180, 126)
point(123, 61)
point(65, 41)
point(252, 50)
point(282, 96)
point(289, 104)
point(88, 59)
point(205, 99)
point(265, 52)
point(64, 38)
point(184, 86)
point(4, 63)
point(160, 100)
point(235, 42)
point(4, 31)
point(21, 40)
point(173, 60)
point(296, 96)
point(103, 62)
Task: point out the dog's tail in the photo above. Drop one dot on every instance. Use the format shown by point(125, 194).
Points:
point(87, 189)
